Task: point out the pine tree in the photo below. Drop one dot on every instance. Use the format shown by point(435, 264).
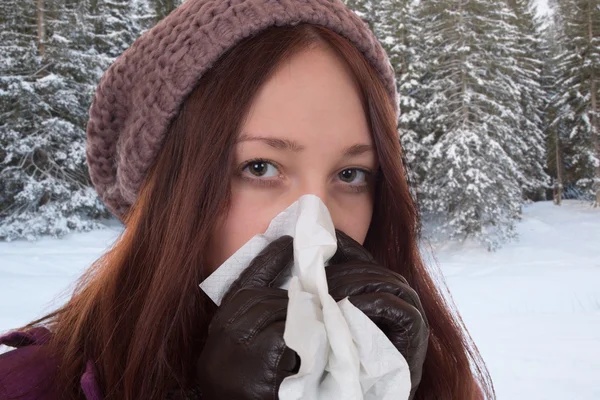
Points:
point(44, 99)
point(528, 56)
point(162, 8)
point(53, 54)
point(114, 24)
point(368, 11)
point(400, 33)
point(578, 97)
point(473, 180)
point(556, 131)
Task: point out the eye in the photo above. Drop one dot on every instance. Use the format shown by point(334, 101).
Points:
point(261, 172)
point(348, 175)
point(260, 168)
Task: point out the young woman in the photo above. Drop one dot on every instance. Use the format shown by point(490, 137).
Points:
point(206, 128)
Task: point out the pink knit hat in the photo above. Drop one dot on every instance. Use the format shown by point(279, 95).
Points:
point(143, 90)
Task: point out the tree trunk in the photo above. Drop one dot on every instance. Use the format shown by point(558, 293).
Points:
point(595, 125)
point(558, 185)
point(41, 28)
point(465, 110)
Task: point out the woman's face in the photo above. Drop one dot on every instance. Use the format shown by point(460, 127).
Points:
point(306, 132)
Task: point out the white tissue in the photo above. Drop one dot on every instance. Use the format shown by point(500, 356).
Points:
point(343, 354)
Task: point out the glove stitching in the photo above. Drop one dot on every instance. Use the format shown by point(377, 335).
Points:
point(246, 306)
point(250, 277)
point(263, 324)
point(404, 332)
point(275, 392)
point(370, 268)
point(409, 294)
point(283, 269)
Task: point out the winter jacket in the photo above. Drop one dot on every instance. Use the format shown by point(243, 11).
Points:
point(29, 371)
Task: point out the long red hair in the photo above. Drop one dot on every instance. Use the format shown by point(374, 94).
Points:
point(138, 312)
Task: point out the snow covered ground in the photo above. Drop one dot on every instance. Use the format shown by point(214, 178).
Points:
point(533, 307)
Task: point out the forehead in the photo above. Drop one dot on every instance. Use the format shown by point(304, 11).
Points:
point(311, 97)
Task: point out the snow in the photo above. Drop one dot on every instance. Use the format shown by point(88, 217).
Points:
point(542, 8)
point(35, 276)
point(532, 307)
point(60, 39)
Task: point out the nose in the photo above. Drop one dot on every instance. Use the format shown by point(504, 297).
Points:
point(312, 185)
point(345, 216)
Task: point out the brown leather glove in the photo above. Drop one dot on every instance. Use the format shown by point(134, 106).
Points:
point(245, 356)
point(385, 297)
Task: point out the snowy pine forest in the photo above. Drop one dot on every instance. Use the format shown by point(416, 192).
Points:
point(500, 106)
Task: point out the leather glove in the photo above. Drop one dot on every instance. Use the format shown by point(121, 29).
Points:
point(385, 297)
point(245, 356)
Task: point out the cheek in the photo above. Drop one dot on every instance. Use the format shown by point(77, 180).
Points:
point(248, 216)
point(252, 210)
point(353, 218)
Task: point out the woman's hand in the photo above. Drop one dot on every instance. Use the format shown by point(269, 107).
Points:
point(245, 356)
point(385, 297)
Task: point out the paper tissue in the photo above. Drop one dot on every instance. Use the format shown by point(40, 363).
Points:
point(343, 354)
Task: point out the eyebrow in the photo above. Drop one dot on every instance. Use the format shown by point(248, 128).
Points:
point(292, 145)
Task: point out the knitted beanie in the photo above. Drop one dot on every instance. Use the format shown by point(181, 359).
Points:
point(142, 91)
